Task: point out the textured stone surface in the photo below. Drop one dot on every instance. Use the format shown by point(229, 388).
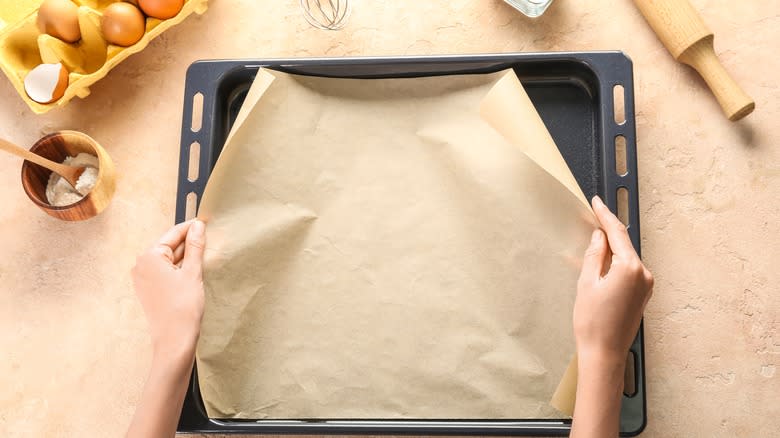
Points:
point(73, 347)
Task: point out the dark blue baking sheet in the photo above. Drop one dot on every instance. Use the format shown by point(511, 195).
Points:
point(573, 93)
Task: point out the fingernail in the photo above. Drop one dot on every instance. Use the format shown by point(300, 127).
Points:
point(595, 236)
point(197, 228)
point(597, 201)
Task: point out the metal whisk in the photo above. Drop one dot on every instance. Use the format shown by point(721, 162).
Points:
point(326, 14)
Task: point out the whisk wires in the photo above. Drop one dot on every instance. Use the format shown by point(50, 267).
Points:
point(326, 14)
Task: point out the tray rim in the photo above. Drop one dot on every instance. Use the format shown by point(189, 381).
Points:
point(608, 67)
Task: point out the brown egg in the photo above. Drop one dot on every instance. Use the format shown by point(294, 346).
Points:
point(123, 24)
point(162, 9)
point(60, 19)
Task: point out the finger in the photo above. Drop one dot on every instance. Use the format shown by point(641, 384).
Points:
point(175, 235)
point(194, 246)
point(163, 250)
point(593, 264)
point(607, 262)
point(617, 235)
point(650, 282)
point(178, 254)
point(648, 277)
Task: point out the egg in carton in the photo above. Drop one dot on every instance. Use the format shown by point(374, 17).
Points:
point(23, 47)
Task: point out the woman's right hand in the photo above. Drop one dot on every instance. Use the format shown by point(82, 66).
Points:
point(612, 292)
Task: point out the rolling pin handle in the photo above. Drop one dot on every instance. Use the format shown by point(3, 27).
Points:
point(701, 56)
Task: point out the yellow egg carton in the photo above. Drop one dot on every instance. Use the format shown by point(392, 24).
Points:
point(23, 46)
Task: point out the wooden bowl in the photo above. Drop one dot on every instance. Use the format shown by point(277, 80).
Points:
point(57, 147)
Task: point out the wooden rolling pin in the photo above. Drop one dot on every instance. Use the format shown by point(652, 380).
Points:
point(685, 35)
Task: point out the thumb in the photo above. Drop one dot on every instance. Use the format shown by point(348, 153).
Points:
point(593, 263)
point(194, 246)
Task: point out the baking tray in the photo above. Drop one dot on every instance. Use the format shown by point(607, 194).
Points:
point(573, 93)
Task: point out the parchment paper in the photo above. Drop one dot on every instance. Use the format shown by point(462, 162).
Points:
point(375, 249)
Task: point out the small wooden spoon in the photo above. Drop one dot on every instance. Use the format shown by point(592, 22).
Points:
point(71, 174)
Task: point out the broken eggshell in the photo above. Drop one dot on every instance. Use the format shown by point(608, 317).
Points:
point(46, 83)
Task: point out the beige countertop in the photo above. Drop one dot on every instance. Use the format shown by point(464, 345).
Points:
point(74, 350)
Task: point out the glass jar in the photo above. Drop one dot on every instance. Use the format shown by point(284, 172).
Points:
point(531, 8)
